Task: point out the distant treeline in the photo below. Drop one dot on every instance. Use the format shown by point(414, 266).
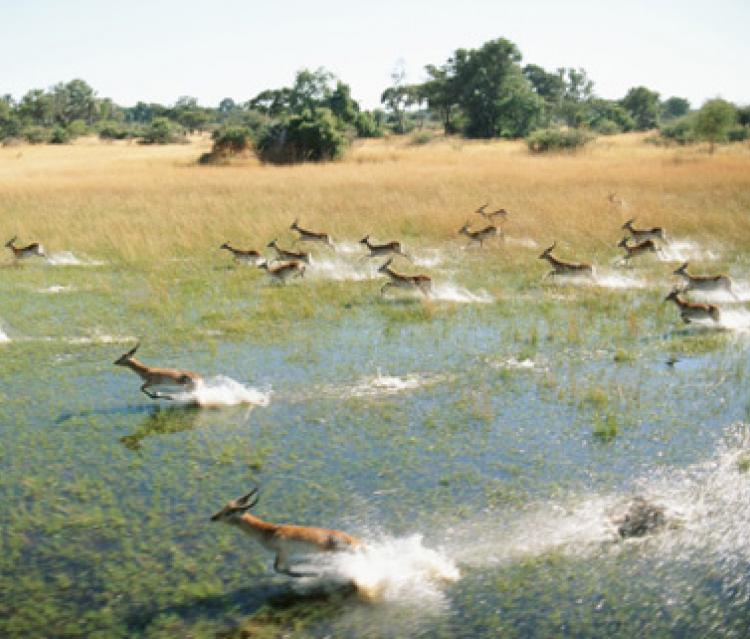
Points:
point(477, 93)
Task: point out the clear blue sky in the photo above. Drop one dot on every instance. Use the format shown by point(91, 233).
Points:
point(159, 50)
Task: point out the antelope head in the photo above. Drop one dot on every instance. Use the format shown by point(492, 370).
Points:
point(682, 270)
point(628, 224)
point(272, 244)
point(263, 265)
point(125, 358)
point(480, 210)
point(365, 239)
point(294, 224)
point(385, 266)
point(672, 294)
point(11, 241)
point(464, 228)
point(548, 251)
point(225, 246)
point(237, 507)
point(623, 243)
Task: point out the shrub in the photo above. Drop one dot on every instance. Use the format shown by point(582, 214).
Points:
point(77, 128)
point(60, 135)
point(681, 131)
point(367, 125)
point(162, 131)
point(607, 127)
point(228, 141)
point(311, 136)
point(738, 134)
point(116, 131)
point(543, 140)
point(423, 137)
point(36, 134)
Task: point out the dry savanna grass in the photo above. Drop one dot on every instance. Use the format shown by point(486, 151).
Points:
point(135, 203)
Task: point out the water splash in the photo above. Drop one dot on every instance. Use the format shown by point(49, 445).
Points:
point(617, 280)
point(4, 339)
point(393, 569)
point(681, 250)
point(56, 289)
point(428, 258)
point(67, 258)
point(740, 293)
point(222, 391)
point(511, 363)
point(734, 319)
point(348, 248)
point(448, 292)
point(523, 242)
point(340, 270)
point(389, 384)
point(100, 338)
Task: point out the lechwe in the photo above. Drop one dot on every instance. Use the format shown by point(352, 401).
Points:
point(154, 376)
point(706, 283)
point(285, 540)
point(22, 252)
point(690, 311)
point(655, 233)
point(479, 236)
point(284, 271)
point(249, 256)
point(561, 267)
point(378, 250)
point(501, 213)
point(422, 283)
point(284, 255)
point(634, 250)
point(311, 236)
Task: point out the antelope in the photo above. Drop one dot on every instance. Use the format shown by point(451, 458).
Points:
point(640, 248)
point(478, 236)
point(240, 255)
point(560, 267)
point(704, 282)
point(613, 199)
point(310, 236)
point(422, 283)
point(22, 252)
point(690, 311)
point(283, 255)
point(377, 250)
point(284, 271)
point(488, 216)
point(285, 540)
point(655, 233)
point(153, 376)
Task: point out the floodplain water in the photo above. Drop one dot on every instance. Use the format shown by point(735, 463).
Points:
point(481, 442)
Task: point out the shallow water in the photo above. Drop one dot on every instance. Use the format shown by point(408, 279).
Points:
point(479, 443)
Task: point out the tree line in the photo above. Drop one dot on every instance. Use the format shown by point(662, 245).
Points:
point(477, 93)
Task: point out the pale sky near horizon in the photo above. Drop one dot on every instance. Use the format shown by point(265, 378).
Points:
point(158, 50)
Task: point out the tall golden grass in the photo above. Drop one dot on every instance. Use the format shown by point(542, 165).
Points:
point(141, 203)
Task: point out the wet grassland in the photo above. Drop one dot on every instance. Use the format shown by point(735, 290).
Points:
point(480, 441)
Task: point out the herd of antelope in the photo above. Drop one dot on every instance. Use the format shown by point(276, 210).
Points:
point(285, 540)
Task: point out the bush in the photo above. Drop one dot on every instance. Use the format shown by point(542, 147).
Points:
point(423, 137)
point(368, 126)
point(543, 140)
point(228, 141)
point(312, 136)
point(607, 127)
point(738, 134)
point(77, 128)
point(162, 131)
point(60, 135)
point(681, 131)
point(116, 131)
point(36, 134)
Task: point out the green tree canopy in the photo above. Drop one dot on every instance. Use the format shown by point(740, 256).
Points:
point(713, 121)
point(643, 106)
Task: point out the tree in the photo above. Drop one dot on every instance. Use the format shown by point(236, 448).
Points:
point(714, 120)
point(643, 106)
point(441, 92)
point(398, 97)
point(674, 107)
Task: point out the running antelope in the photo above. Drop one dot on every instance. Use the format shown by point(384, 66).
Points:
point(285, 540)
point(634, 250)
point(310, 236)
point(153, 376)
point(22, 252)
point(242, 256)
point(492, 214)
point(655, 233)
point(704, 282)
point(377, 250)
point(282, 254)
point(690, 311)
point(615, 200)
point(284, 271)
point(560, 267)
point(478, 236)
point(422, 283)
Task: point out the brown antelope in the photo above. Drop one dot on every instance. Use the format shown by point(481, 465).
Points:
point(377, 250)
point(634, 250)
point(422, 283)
point(240, 255)
point(311, 236)
point(615, 200)
point(284, 255)
point(502, 213)
point(560, 267)
point(690, 311)
point(478, 236)
point(655, 233)
point(285, 540)
point(284, 271)
point(22, 252)
point(153, 376)
point(704, 282)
